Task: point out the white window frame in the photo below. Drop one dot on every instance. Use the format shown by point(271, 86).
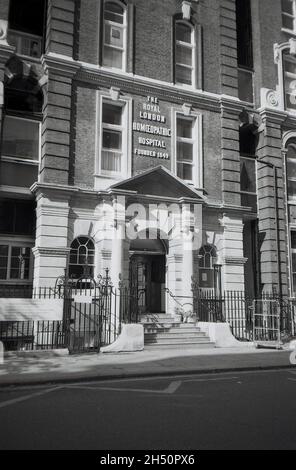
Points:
point(17, 38)
point(289, 15)
point(92, 265)
point(16, 159)
point(17, 243)
point(117, 25)
point(191, 46)
point(126, 129)
point(292, 250)
point(286, 57)
point(197, 139)
point(290, 199)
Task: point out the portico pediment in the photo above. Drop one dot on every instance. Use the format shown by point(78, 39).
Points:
point(158, 182)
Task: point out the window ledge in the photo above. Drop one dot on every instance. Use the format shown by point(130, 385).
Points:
point(289, 31)
point(7, 158)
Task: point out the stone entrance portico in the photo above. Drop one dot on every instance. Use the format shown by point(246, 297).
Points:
point(154, 206)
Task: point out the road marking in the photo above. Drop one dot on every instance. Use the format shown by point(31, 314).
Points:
point(218, 379)
point(292, 380)
point(27, 397)
point(172, 388)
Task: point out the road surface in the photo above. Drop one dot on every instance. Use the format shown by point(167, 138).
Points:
point(244, 410)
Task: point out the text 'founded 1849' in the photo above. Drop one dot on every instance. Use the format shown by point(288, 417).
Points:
point(153, 124)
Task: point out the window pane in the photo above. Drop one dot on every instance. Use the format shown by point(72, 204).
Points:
point(3, 262)
point(291, 189)
point(245, 86)
point(249, 200)
point(184, 151)
point(184, 171)
point(114, 12)
point(73, 257)
point(290, 92)
point(288, 22)
point(3, 273)
point(113, 36)
point(248, 175)
point(3, 250)
point(183, 55)
point(17, 217)
point(287, 6)
point(291, 168)
point(111, 139)
point(21, 138)
point(112, 114)
point(184, 128)
point(19, 274)
point(294, 263)
point(17, 250)
point(183, 33)
point(183, 75)
point(113, 57)
point(111, 161)
point(290, 66)
point(293, 241)
point(19, 264)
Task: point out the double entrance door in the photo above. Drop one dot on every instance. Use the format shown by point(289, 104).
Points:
point(147, 280)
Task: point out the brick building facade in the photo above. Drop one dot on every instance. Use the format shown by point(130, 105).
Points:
point(182, 106)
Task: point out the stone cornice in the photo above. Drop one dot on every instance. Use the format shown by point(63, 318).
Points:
point(231, 260)
point(60, 65)
point(50, 251)
point(100, 77)
point(274, 116)
point(135, 85)
point(232, 105)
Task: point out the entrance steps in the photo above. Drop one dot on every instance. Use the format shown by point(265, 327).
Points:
point(164, 331)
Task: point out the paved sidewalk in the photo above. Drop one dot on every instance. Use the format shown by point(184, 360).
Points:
point(53, 369)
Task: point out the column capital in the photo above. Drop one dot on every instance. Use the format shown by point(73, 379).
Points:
point(49, 251)
point(60, 65)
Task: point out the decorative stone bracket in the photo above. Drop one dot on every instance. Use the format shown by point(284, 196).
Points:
point(271, 99)
point(3, 32)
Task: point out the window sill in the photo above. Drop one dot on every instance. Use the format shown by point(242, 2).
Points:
point(16, 282)
point(288, 31)
point(27, 161)
point(35, 60)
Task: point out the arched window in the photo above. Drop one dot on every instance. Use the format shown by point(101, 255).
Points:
point(184, 53)
point(291, 169)
point(114, 50)
point(82, 258)
point(207, 258)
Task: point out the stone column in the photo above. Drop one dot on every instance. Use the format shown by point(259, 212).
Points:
point(52, 247)
point(230, 152)
point(58, 120)
point(271, 204)
point(232, 254)
point(228, 48)
point(174, 281)
point(62, 16)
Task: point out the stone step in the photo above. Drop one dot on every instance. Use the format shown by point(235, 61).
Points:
point(188, 345)
point(173, 334)
point(168, 339)
point(160, 326)
point(175, 327)
point(166, 319)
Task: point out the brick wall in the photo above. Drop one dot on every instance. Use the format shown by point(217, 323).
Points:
point(60, 27)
